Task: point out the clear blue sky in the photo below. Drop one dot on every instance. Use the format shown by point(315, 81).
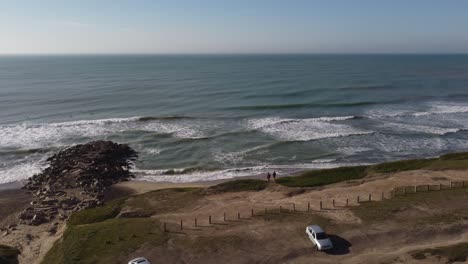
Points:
point(237, 26)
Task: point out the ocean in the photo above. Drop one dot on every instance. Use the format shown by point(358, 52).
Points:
point(208, 117)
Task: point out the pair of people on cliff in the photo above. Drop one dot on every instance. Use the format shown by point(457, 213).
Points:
point(269, 176)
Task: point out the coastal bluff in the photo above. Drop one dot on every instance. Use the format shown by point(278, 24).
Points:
point(75, 179)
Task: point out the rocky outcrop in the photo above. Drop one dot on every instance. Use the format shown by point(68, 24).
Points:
point(75, 179)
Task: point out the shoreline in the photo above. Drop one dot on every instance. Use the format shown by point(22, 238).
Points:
point(16, 185)
point(11, 186)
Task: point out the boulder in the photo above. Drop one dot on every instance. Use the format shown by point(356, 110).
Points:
point(76, 178)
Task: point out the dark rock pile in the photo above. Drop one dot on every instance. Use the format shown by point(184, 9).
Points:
point(76, 179)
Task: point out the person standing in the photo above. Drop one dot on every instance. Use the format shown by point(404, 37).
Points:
point(274, 175)
point(268, 176)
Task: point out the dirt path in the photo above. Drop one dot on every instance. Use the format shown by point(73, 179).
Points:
point(283, 241)
point(277, 195)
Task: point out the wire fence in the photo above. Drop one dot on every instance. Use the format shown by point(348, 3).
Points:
point(322, 205)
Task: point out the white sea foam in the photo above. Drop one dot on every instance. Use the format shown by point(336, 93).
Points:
point(323, 160)
point(236, 157)
point(304, 129)
point(444, 108)
point(30, 135)
point(200, 176)
point(432, 108)
point(349, 151)
point(422, 128)
point(159, 176)
point(335, 118)
point(20, 171)
point(153, 151)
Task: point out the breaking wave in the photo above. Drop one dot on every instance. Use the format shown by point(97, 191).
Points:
point(305, 129)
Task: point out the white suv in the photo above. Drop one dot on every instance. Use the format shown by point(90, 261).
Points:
point(319, 237)
point(139, 261)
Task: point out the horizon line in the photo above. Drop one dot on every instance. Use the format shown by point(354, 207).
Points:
point(233, 53)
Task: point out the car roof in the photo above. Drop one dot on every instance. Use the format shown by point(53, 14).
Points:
point(316, 228)
point(138, 260)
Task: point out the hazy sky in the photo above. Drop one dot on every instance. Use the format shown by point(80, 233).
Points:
point(237, 26)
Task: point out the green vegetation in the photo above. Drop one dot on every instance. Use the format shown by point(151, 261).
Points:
point(401, 165)
point(239, 186)
point(98, 214)
point(454, 161)
point(96, 236)
point(8, 255)
point(434, 207)
point(104, 242)
point(453, 253)
point(324, 177)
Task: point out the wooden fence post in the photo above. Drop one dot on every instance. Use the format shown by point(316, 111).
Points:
point(196, 224)
point(321, 207)
point(333, 202)
point(281, 208)
point(358, 199)
point(165, 229)
point(308, 206)
point(252, 212)
point(181, 225)
point(238, 215)
point(209, 219)
point(370, 197)
point(440, 186)
point(294, 207)
point(346, 201)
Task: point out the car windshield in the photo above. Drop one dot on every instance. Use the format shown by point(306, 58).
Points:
point(321, 236)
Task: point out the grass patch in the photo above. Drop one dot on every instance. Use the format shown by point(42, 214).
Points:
point(402, 165)
point(104, 242)
point(324, 177)
point(8, 255)
point(446, 206)
point(239, 186)
point(108, 211)
point(454, 161)
point(457, 252)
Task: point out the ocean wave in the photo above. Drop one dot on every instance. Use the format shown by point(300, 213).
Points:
point(434, 108)
point(195, 176)
point(444, 108)
point(153, 118)
point(305, 129)
point(39, 135)
point(238, 157)
point(255, 171)
point(302, 105)
point(423, 128)
point(21, 170)
point(365, 87)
